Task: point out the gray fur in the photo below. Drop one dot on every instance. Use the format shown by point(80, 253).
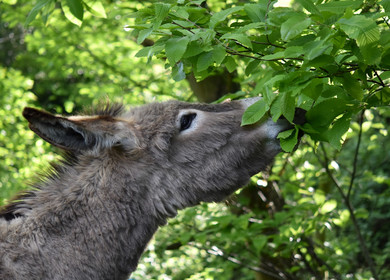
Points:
point(124, 175)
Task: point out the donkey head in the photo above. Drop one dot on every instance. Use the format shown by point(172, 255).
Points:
point(178, 154)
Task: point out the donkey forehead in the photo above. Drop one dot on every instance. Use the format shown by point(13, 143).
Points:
point(168, 111)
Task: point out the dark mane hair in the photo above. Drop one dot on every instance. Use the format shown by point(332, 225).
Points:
point(9, 211)
point(105, 108)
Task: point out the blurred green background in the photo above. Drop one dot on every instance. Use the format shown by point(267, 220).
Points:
point(308, 217)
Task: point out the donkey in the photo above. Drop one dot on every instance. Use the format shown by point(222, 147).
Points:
point(123, 175)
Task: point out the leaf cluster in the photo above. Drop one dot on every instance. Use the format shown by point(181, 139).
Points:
point(329, 58)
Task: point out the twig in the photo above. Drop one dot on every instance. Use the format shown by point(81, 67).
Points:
point(244, 264)
point(379, 78)
point(355, 158)
point(308, 266)
point(321, 262)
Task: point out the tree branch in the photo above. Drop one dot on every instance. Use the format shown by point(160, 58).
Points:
point(349, 206)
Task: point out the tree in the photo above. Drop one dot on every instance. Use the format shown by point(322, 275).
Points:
point(320, 211)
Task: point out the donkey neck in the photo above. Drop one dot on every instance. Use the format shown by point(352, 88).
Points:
point(93, 210)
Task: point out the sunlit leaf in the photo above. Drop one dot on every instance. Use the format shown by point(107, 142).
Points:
point(328, 206)
point(76, 8)
point(339, 128)
point(69, 15)
point(361, 28)
point(96, 8)
point(255, 112)
point(35, 10)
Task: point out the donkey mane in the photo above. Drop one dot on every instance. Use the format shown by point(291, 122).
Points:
point(12, 209)
point(67, 159)
point(106, 109)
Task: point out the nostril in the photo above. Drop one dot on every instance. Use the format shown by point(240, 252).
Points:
point(299, 117)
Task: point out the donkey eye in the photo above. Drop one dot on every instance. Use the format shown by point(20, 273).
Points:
point(186, 121)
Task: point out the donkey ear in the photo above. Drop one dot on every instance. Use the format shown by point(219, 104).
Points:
point(59, 131)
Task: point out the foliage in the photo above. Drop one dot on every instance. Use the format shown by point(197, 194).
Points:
point(331, 59)
point(319, 212)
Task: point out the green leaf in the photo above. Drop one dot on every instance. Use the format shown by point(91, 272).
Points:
point(288, 106)
point(175, 48)
point(316, 48)
point(47, 11)
point(294, 26)
point(254, 112)
point(143, 34)
point(35, 10)
point(96, 8)
point(325, 112)
point(178, 72)
point(314, 88)
point(219, 54)
point(371, 53)
point(363, 29)
point(328, 206)
point(10, 2)
point(274, 56)
point(339, 128)
point(194, 48)
point(204, 61)
point(241, 38)
point(221, 16)
point(251, 66)
point(288, 139)
point(230, 64)
point(250, 26)
point(230, 96)
point(319, 196)
point(146, 51)
point(293, 52)
point(76, 8)
point(259, 242)
point(286, 134)
point(69, 15)
point(352, 86)
point(206, 36)
point(386, 5)
point(256, 12)
point(309, 6)
point(344, 218)
point(161, 10)
point(180, 12)
point(276, 108)
point(338, 7)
